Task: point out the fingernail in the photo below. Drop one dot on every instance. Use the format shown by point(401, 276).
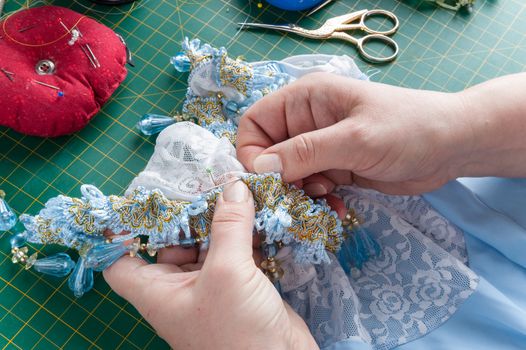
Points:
point(235, 192)
point(315, 189)
point(268, 163)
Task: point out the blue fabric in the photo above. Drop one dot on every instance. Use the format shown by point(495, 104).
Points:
point(492, 213)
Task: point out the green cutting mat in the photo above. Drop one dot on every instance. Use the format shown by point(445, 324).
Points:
point(440, 50)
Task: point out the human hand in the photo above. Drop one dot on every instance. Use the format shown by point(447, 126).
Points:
point(325, 130)
point(225, 302)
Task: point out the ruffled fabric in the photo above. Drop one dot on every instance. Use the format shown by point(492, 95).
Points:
point(285, 214)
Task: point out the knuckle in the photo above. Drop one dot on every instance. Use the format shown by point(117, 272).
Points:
point(227, 215)
point(360, 136)
point(303, 149)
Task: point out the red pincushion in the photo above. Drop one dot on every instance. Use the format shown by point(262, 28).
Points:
point(34, 109)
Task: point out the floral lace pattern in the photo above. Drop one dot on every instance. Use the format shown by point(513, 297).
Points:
point(415, 285)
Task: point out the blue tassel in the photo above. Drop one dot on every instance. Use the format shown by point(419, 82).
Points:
point(81, 280)
point(7, 216)
point(58, 265)
point(358, 247)
point(100, 257)
point(151, 124)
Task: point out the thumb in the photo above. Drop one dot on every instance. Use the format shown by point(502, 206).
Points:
point(232, 226)
point(307, 154)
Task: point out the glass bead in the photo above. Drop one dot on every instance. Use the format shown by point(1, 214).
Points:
point(135, 247)
point(151, 124)
point(100, 257)
point(58, 265)
point(7, 216)
point(81, 280)
point(18, 240)
point(232, 106)
point(151, 250)
point(181, 62)
point(31, 261)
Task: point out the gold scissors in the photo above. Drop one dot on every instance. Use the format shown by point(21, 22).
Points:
point(336, 27)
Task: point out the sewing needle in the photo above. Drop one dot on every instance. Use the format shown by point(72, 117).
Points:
point(319, 7)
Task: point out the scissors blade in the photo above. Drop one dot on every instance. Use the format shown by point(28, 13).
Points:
point(319, 7)
point(282, 27)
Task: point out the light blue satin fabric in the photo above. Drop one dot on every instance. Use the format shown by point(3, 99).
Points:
point(492, 213)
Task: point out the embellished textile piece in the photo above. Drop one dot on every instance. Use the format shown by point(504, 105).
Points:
point(172, 201)
point(221, 89)
point(378, 298)
point(285, 214)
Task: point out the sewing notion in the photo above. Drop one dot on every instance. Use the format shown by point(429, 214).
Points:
point(336, 28)
point(319, 7)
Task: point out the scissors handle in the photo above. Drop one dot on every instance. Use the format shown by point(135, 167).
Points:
point(383, 13)
point(362, 43)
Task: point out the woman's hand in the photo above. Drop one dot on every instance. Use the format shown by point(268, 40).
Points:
point(225, 302)
point(324, 130)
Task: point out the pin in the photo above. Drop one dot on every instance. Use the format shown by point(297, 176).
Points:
point(93, 55)
point(8, 74)
point(75, 33)
point(46, 85)
point(88, 56)
point(27, 28)
point(65, 27)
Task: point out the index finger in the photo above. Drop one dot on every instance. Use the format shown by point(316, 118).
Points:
point(261, 126)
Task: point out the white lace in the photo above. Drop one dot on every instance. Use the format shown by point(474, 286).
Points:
point(187, 161)
point(414, 286)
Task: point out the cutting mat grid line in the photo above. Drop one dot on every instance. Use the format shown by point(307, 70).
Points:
point(440, 50)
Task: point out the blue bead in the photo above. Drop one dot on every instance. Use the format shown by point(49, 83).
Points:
point(58, 265)
point(100, 257)
point(232, 106)
point(81, 280)
point(18, 240)
point(181, 62)
point(151, 124)
point(7, 216)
